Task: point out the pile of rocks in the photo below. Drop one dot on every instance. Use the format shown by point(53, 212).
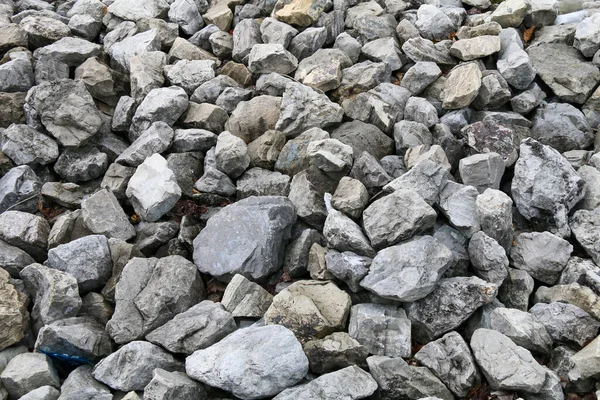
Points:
point(299, 199)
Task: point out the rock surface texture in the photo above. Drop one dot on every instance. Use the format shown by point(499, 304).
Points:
point(299, 199)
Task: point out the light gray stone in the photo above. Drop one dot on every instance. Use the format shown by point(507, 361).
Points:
point(417, 264)
point(244, 298)
point(19, 189)
point(167, 385)
point(13, 259)
point(584, 225)
point(462, 86)
point(383, 329)
point(587, 36)
point(102, 214)
point(131, 367)
point(349, 383)
point(522, 328)
point(253, 118)
point(87, 259)
point(26, 231)
point(27, 372)
point(516, 289)
point(457, 202)
point(350, 197)
point(420, 75)
point(451, 303)
point(161, 104)
point(330, 155)
point(450, 359)
point(426, 179)
point(201, 326)
point(82, 164)
point(231, 155)
point(484, 171)
point(156, 139)
point(494, 212)
point(531, 254)
point(561, 126)
point(334, 352)
point(275, 354)
point(343, 234)
point(488, 258)
point(267, 58)
point(520, 371)
point(386, 221)
point(153, 188)
point(25, 145)
point(566, 323)
point(257, 249)
point(190, 74)
point(80, 384)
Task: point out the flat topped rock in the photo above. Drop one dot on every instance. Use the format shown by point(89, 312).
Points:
point(252, 363)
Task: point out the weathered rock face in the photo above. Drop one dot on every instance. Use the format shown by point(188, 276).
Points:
point(311, 309)
point(150, 292)
point(13, 314)
point(262, 227)
point(131, 367)
point(410, 271)
point(27, 372)
point(274, 354)
point(538, 194)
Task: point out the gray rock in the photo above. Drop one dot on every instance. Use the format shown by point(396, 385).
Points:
point(494, 91)
point(102, 214)
point(334, 352)
point(262, 182)
point(462, 86)
point(450, 359)
point(156, 139)
point(530, 253)
point(80, 384)
point(215, 181)
point(419, 49)
point(566, 323)
point(343, 234)
point(330, 155)
point(124, 111)
point(526, 101)
point(383, 330)
point(67, 227)
point(476, 47)
point(122, 51)
point(13, 259)
point(457, 202)
point(244, 298)
point(384, 50)
point(87, 259)
point(79, 338)
point(231, 97)
point(564, 58)
point(348, 383)
point(277, 32)
point(386, 222)
point(42, 393)
point(308, 42)
point(433, 23)
point(419, 110)
point(303, 108)
point(397, 379)
point(252, 118)
point(80, 165)
point(59, 104)
point(577, 270)
point(69, 50)
point(153, 188)
point(494, 212)
point(419, 76)
point(275, 354)
point(204, 116)
point(457, 243)
point(67, 194)
point(587, 36)
point(584, 225)
point(484, 171)
point(257, 250)
point(151, 235)
point(369, 172)
point(199, 327)
point(361, 77)
point(520, 371)
point(150, 292)
point(514, 64)
point(231, 155)
point(190, 74)
point(364, 137)
point(418, 264)
point(522, 328)
point(426, 179)
point(245, 35)
point(26, 231)
point(186, 140)
point(561, 126)
point(451, 303)
point(580, 296)
point(272, 84)
point(306, 194)
point(25, 145)
point(186, 14)
point(42, 30)
point(350, 197)
point(296, 253)
point(146, 73)
point(323, 69)
point(167, 385)
point(19, 189)
point(267, 58)
point(56, 294)
point(585, 362)
point(488, 258)
point(131, 367)
point(162, 104)
point(116, 179)
point(220, 15)
point(516, 289)
point(591, 176)
point(27, 372)
point(137, 10)
point(479, 137)
point(311, 309)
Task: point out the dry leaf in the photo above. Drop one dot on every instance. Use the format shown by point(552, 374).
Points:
point(527, 35)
